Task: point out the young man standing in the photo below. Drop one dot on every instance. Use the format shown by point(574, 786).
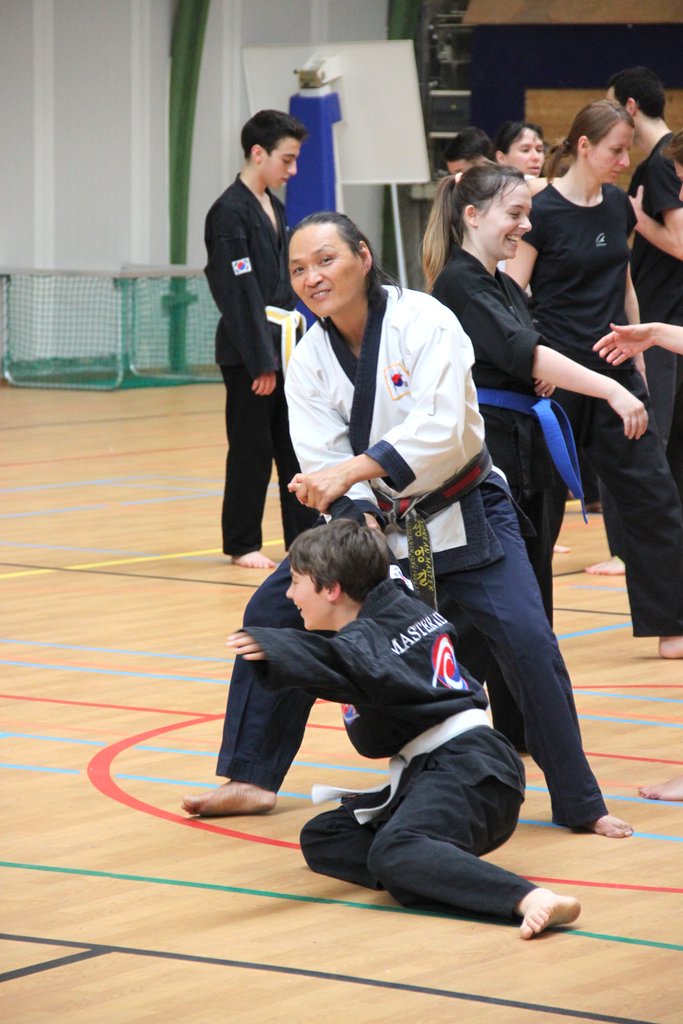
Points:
point(246, 244)
point(657, 259)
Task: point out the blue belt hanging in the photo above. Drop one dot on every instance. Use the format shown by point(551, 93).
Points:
point(556, 428)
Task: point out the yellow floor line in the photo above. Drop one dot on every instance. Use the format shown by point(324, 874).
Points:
point(124, 561)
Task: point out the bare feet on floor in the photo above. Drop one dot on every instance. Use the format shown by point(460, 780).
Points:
point(230, 798)
point(610, 826)
point(671, 647)
point(612, 567)
point(543, 908)
point(670, 790)
point(253, 560)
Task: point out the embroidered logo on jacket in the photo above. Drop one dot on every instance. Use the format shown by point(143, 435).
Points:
point(242, 266)
point(445, 666)
point(600, 240)
point(397, 381)
point(349, 714)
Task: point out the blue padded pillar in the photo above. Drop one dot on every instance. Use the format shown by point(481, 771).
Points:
point(313, 188)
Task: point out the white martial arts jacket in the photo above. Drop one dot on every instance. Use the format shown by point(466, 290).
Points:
point(414, 390)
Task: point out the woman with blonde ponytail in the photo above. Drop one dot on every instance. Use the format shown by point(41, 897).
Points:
point(576, 258)
point(475, 222)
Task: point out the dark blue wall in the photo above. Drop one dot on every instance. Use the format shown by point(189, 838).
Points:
point(508, 59)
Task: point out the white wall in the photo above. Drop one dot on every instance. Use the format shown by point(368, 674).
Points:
point(84, 121)
point(18, 170)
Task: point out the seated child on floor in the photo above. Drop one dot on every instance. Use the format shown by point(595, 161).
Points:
point(391, 665)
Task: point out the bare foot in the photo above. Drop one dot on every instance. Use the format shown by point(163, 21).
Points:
point(543, 908)
point(671, 647)
point(253, 560)
point(610, 826)
point(612, 567)
point(670, 790)
point(230, 798)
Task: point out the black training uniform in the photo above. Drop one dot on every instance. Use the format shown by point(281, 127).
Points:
point(394, 671)
point(247, 270)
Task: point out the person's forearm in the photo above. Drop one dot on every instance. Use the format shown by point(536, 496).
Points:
point(557, 369)
point(659, 235)
point(359, 468)
point(667, 336)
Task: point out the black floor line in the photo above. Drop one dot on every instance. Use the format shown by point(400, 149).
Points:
point(99, 950)
point(217, 583)
point(48, 965)
point(591, 611)
point(130, 575)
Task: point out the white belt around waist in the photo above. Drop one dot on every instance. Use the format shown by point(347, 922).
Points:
point(427, 741)
point(292, 326)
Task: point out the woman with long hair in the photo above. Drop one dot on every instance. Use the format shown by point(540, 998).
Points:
point(476, 222)
point(576, 259)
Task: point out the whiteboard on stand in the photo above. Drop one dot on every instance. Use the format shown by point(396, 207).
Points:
point(381, 138)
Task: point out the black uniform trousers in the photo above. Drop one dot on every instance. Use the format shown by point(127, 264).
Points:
point(263, 729)
point(664, 371)
point(257, 428)
point(638, 478)
point(425, 848)
point(674, 445)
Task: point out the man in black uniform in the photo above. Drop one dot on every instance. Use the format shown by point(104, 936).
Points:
point(247, 271)
point(456, 785)
point(657, 259)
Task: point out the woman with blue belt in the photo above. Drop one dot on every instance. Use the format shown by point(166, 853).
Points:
point(475, 223)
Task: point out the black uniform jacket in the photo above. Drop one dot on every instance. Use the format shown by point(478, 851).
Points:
point(494, 313)
point(393, 669)
point(247, 270)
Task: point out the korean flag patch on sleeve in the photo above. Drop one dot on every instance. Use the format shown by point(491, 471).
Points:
point(242, 266)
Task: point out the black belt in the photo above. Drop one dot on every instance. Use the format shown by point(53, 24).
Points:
point(412, 514)
point(455, 488)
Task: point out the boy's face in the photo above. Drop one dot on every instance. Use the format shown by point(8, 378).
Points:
point(316, 610)
point(278, 166)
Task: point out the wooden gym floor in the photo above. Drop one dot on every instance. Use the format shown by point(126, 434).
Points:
point(115, 602)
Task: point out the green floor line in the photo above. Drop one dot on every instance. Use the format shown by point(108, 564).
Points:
point(321, 900)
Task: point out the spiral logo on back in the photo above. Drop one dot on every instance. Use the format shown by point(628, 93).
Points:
point(445, 666)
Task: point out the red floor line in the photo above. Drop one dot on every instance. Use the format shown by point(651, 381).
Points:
point(108, 667)
point(109, 455)
point(633, 757)
point(204, 717)
point(99, 773)
point(626, 719)
point(201, 715)
point(631, 686)
point(605, 885)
